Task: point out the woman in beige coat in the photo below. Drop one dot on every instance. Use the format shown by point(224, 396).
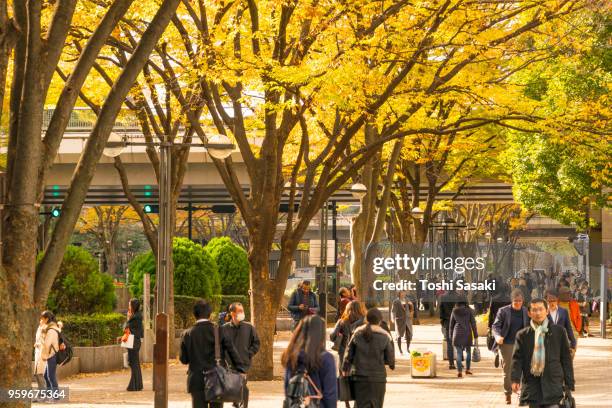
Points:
point(50, 346)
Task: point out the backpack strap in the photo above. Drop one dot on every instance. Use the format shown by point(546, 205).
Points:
point(319, 395)
point(217, 345)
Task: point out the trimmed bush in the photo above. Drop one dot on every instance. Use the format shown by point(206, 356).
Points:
point(183, 309)
point(195, 271)
point(93, 330)
point(79, 286)
point(233, 265)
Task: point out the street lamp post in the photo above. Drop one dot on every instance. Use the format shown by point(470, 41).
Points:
point(219, 147)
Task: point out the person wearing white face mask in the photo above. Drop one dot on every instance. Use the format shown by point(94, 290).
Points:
point(244, 338)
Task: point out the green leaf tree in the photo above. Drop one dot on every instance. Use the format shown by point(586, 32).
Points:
point(79, 287)
point(195, 271)
point(233, 265)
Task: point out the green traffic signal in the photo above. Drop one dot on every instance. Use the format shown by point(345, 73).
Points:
point(150, 208)
point(56, 212)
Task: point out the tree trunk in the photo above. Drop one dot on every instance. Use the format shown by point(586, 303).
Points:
point(264, 308)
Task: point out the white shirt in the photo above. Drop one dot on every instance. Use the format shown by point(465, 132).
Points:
point(554, 315)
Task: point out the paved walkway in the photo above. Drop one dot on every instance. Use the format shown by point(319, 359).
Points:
point(592, 366)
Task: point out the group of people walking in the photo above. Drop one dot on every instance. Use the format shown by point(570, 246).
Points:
point(364, 345)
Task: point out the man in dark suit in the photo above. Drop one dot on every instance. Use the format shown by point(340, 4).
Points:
point(560, 317)
point(541, 363)
point(509, 320)
point(198, 350)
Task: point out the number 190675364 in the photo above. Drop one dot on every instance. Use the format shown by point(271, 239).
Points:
point(8, 395)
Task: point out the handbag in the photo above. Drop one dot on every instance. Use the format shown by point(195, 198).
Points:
point(476, 352)
point(129, 343)
point(220, 383)
point(490, 340)
point(567, 401)
point(346, 391)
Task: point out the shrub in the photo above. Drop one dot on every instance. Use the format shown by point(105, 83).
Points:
point(93, 330)
point(183, 309)
point(233, 265)
point(195, 271)
point(79, 286)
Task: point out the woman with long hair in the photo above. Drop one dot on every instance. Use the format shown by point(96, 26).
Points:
point(134, 326)
point(306, 354)
point(368, 351)
point(50, 346)
point(354, 313)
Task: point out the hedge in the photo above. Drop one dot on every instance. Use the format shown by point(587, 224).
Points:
point(183, 309)
point(93, 330)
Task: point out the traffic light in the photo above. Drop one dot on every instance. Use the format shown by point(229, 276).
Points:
point(148, 191)
point(55, 212)
point(151, 208)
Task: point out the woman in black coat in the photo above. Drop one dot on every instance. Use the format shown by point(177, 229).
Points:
point(368, 351)
point(353, 313)
point(462, 332)
point(135, 327)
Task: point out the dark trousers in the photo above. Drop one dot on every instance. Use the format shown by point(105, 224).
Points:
point(449, 342)
point(245, 397)
point(51, 373)
point(136, 377)
point(369, 394)
point(198, 401)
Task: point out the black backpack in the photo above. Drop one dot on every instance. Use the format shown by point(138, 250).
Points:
point(63, 355)
point(298, 390)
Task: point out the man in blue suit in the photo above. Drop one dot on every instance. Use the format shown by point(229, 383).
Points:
point(560, 316)
point(509, 320)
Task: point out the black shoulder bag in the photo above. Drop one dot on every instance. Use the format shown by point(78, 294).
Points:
point(220, 383)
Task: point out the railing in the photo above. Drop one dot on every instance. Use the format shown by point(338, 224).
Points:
point(83, 119)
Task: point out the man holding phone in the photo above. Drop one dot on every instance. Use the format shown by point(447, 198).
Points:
point(303, 302)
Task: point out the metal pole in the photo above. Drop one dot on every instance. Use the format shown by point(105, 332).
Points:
point(324, 258)
point(190, 221)
point(164, 247)
point(603, 301)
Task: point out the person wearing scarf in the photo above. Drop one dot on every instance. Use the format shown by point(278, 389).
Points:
point(541, 362)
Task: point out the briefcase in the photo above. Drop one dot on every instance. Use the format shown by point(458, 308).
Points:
point(220, 383)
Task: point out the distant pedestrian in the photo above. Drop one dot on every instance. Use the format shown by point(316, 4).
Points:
point(447, 303)
point(345, 299)
point(198, 350)
point(354, 293)
point(584, 299)
point(354, 314)
point(245, 340)
point(403, 310)
point(50, 346)
point(463, 332)
point(541, 363)
point(509, 320)
point(303, 302)
point(135, 327)
point(369, 350)
point(306, 354)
